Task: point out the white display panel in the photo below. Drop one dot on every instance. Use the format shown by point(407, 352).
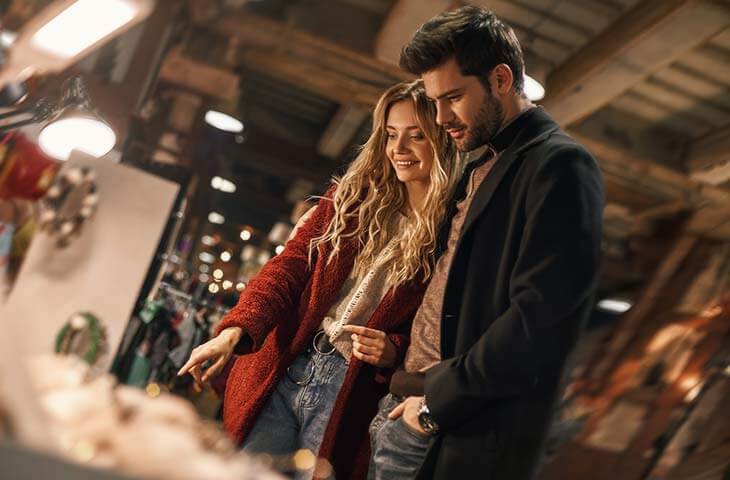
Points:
point(101, 272)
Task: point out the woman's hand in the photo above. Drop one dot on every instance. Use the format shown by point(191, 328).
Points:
point(217, 350)
point(372, 346)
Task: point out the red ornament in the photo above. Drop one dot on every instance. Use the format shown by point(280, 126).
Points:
point(25, 171)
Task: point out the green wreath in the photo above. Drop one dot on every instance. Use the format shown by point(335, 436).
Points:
point(71, 326)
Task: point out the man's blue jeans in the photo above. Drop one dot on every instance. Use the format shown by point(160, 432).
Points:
point(397, 450)
point(299, 409)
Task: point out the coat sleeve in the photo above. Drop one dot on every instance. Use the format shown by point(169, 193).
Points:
point(273, 294)
point(555, 273)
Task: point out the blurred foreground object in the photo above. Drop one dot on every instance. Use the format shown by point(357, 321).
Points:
point(100, 424)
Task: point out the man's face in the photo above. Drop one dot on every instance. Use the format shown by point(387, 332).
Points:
point(465, 107)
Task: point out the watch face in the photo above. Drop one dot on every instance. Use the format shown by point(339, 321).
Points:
point(424, 422)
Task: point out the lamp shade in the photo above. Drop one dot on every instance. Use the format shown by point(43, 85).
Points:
point(533, 89)
point(76, 129)
point(535, 82)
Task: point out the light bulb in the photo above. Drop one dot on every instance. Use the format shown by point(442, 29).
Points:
point(614, 305)
point(224, 122)
point(90, 136)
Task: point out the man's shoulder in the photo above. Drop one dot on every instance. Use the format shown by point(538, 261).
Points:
point(559, 155)
point(560, 144)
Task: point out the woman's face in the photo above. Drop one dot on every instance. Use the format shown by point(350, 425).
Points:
point(407, 148)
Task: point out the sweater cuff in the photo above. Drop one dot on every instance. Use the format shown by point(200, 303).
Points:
point(401, 342)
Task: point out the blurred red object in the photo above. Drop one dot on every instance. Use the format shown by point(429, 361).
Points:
point(25, 171)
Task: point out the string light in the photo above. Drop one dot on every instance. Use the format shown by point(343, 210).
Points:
point(206, 257)
point(208, 241)
point(222, 184)
point(217, 218)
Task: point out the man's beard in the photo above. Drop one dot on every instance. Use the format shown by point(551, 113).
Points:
point(486, 124)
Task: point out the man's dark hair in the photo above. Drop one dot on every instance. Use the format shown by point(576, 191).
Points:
point(474, 36)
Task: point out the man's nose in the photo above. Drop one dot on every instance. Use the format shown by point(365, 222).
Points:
point(444, 114)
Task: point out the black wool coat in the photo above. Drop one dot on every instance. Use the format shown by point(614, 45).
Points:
point(521, 285)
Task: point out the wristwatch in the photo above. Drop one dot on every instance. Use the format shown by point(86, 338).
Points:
point(424, 419)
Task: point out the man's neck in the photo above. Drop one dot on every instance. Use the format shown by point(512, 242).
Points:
point(513, 108)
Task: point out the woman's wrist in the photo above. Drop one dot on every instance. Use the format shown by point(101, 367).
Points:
point(232, 335)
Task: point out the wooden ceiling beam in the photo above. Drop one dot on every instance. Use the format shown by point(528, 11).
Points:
point(342, 128)
point(402, 22)
point(644, 174)
point(277, 157)
point(642, 41)
point(334, 85)
point(328, 69)
point(708, 159)
point(711, 222)
point(215, 82)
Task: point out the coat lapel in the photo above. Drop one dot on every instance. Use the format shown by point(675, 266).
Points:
point(486, 190)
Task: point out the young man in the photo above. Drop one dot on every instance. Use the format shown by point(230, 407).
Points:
point(516, 280)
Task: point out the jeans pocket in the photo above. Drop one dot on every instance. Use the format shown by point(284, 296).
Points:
point(375, 426)
point(300, 372)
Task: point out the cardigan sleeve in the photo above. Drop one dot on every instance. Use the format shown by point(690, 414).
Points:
point(401, 342)
point(273, 294)
point(555, 273)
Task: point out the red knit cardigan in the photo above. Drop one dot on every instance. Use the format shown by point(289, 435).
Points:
point(280, 311)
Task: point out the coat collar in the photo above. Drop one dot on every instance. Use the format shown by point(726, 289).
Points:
point(530, 128)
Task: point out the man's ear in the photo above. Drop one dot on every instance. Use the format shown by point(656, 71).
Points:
point(502, 79)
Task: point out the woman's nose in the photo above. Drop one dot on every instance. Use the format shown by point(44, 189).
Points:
point(401, 144)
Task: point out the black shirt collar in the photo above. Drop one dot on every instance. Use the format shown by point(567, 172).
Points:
point(507, 135)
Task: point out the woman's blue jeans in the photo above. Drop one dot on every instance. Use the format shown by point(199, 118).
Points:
point(299, 409)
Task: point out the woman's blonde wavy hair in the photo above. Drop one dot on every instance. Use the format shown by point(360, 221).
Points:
point(369, 196)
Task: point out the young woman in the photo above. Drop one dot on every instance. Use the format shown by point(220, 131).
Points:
point(324, 323)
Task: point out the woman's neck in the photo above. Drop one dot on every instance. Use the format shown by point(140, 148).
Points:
point(416, 194)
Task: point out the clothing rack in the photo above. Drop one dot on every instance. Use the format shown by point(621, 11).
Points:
point(176, 292)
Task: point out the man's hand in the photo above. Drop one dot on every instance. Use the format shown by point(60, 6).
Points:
point(217, 350)
point(372, 346)
point(408, 409)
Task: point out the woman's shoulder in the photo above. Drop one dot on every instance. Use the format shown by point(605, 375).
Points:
point(302, 220)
